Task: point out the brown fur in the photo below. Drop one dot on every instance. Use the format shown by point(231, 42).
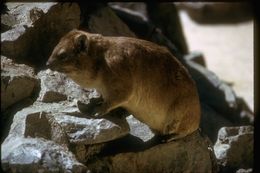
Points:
point(138, 75)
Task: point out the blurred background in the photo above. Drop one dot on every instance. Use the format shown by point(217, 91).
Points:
point(223, 32)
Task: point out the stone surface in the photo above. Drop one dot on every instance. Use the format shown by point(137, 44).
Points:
point(211, 122)
point(106, 22)
point(136, 8)
point(37, 121)
point(217, 94)
point(63, 124)
point(84, 153)
point(57, 86)
point(91, 131)
point(146, 29)
point(197, 57)
point(146, 18)
point(165, 16)
point(58, 122)
point(234, 147)
point(35, 29)
point(18, 82)
point(139, 129)
point(20, 154)
point(244, 170)
point(210, 86)
point(184, 155)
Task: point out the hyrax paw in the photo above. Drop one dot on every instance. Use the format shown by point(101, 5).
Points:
point(100, 110)
point(96, 107)
point(98, 114)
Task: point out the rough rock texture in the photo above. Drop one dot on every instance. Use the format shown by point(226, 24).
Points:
point(18, 82)
point(91, 131)
point(217, 88)
point(84, 153)
point(36, 121)
point(36, 29)
point(105, 22)
point(146, 29)
point(197, 57)
point(53, 121)
point(185, 155)
point(56, 87)
point(218, 94)
point(165, 16)
point(20, 154)
point(245, 170)
point(234, 148)
point(139, 129)
point(145, 18)
point(211, 122)
point(138, 8)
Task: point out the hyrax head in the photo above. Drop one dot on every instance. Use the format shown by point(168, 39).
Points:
point(68, 55)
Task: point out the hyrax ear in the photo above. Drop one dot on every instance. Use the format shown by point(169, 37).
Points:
point(81, 43)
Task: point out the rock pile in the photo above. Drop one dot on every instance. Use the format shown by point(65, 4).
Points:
point(44, 131)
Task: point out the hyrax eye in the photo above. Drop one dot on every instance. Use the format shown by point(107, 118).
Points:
point(62, 55)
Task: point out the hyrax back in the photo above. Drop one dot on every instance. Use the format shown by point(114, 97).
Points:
point(138, 75)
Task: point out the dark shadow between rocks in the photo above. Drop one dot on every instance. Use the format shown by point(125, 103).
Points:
point(8, 115)
point(126, 144)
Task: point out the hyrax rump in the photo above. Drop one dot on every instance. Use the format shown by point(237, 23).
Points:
point(140, 76)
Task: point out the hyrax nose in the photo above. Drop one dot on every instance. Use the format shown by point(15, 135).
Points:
point(50, 62)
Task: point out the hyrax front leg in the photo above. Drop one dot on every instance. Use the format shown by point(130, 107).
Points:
point(111, 100)
point(88, 108)
point(102, 108)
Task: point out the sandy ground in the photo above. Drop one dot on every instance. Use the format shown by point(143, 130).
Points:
point(228, 51)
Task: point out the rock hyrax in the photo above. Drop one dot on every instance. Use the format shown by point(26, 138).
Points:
point(140, 76)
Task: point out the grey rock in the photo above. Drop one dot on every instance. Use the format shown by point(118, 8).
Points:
point(21, 14)
point(245, 112)
point(184, 155)
point(37, 121)
point(197, 57)
point(134, 8)
point(146, 29)
point(139, 129)
point(106, 22)
point(60, 123)
point(57, 86)
point(18, 81)
point(55, 122)
point(20, 154)
point(210, 80)
point(218, 95)
point(211, 122)
point(84, 153)
point(234, 147)
point(244, 170)
point(36, 29)
point(165, 16)
point(156, 22)
point(92, 131)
